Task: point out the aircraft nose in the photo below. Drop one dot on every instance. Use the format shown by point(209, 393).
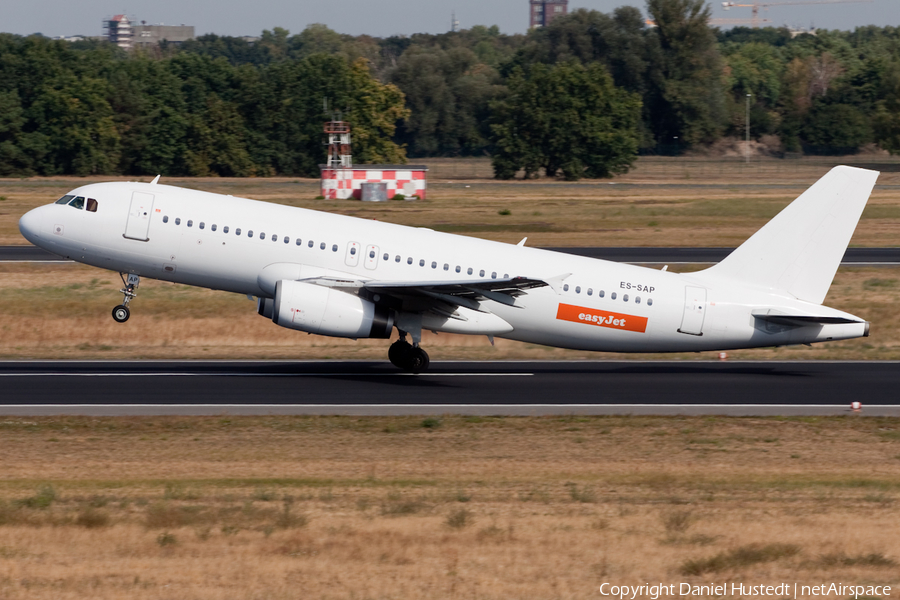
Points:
point(31, 225)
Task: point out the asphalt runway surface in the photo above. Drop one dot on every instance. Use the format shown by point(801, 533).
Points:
point(478, 388)
point(672, 256)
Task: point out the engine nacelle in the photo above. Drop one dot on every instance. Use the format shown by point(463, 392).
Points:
point(327, 311)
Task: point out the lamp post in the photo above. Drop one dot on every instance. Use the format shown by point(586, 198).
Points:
point(747, 145)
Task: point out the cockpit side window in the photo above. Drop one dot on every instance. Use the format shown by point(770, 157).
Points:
point(65, 199)
point(91, 205)
point(77, 202)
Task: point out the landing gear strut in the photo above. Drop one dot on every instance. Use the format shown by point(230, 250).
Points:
point(122, 312)
point(406, 356)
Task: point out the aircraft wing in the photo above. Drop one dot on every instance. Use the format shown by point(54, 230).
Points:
point(468, 293)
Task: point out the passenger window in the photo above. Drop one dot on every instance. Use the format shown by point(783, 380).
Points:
point(262, 235)
point(274, 237)
point(397, 258)
point(469, 271)
point(77, 202)
point(506, 276)
point(385, 257)
point(65, 199)
point(481, 273)
point(299, 241)
point(433, 265)
point(409, 260)
point(225, 229)
point(446, 267)
point(91, 205)
point(458, 268)
point(213, 227)
point(649, 301)
point(322, 246)
point(625, 298)
point(566, 287)
point(590, 292)
point(237, 231)
point(202, 224)
point(352, 251)
point(311, 243)
point(612, 296)
point(601, 293)
point(494, 275)
point(421, 262)
point(178, 220)
point(190, 223)
point(371, 254)
point(249, 233)
point(287, 240)
point(637, 299)
point(577, 289)
point(166, 219)
point(334, 248)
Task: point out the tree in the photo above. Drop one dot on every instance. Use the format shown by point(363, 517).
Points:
point(448, 94)
point(688, 95)
point(567, 119)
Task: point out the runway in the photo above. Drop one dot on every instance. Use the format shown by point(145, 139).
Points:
point(474, 388)
point(633, 255)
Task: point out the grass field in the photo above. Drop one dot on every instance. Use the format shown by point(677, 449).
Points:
point(663, 202)
point(63, 311)
point(452, 507)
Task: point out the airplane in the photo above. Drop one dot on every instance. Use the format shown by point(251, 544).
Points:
point(348, 277)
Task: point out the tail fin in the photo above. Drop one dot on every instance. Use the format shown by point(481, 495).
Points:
point(799, 251)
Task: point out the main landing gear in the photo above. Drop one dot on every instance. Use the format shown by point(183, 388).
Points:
point(406, 356)
point(122, 312)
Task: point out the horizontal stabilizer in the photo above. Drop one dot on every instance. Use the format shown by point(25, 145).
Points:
point(788, 319)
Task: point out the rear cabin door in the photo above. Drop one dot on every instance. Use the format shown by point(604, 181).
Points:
point(138, 225)
point(694, 310)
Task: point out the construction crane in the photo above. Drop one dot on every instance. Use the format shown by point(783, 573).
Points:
point(755, 6)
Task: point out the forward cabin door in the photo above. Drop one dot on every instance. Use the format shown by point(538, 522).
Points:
point(694, 311)
point(138, 225)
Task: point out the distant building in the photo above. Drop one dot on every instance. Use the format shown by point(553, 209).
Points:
point(544, 11)
point(152, 35)
point(119, 31)
point(126, 34)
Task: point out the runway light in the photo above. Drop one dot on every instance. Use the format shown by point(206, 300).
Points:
point(723, 356)
point(856, 406)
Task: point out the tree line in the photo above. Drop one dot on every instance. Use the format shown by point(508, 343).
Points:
point(581, 97)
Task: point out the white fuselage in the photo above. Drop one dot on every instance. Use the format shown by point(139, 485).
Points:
point(590, 304)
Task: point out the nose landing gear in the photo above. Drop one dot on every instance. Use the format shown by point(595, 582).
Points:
point(122, 312)
point(406, 356)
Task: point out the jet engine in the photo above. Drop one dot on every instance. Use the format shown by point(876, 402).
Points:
point(327, 311)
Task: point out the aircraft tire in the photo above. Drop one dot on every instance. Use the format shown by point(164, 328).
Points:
point(121, 313)
point(417, 360)
point(397, 353)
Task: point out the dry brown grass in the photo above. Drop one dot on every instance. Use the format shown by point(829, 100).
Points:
point(663, 202)
point(340, 507)
point(63, 311)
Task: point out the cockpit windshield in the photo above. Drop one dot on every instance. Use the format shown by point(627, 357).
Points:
point(79, 202)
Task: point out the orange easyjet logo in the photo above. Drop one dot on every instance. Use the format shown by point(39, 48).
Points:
point(601, 318)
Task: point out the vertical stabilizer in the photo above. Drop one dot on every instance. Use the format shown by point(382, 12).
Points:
point(799, 251)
